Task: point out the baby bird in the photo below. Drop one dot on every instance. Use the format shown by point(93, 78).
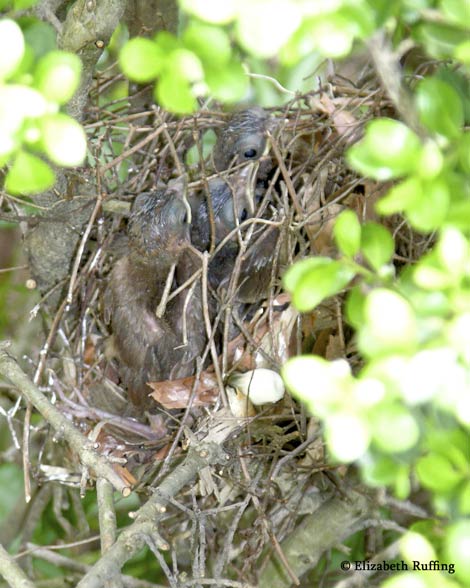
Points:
point(147, 346)
point(243, 138)
point(232, 196)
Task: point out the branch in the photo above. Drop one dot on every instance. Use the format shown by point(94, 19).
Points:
point(82, 446)
point(107, 521)
point(86, 31)
point(145, 527)
point(12, 572)
point(67, 563)
point(388, 68)
point(328, 526)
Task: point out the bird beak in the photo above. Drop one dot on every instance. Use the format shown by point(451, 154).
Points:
point(247, 183)
point(180, 189)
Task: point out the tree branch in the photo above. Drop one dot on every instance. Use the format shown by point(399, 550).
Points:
point(82, 446)
point(334, 521)
point(145, 527)
point(12, 572)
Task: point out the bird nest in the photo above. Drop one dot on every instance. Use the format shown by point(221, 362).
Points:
point(276, 448)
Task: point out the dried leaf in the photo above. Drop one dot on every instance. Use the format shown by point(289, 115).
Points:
point(334, 349)
point(323, 241)
point(124, 474)
point(273, 339)
point(344, 121)
point(178, 393)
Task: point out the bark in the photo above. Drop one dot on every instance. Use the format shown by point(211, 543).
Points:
point(328, 526)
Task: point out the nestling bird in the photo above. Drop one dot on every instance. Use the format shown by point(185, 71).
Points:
point(233, 198)
point(232, 195)
point(243, 138)
point(147, 346)
point(229, 199)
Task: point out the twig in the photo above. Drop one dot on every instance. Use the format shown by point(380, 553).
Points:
point(207, 322)
point(389, 70)
point(330, 524)
point(107, 520)
point(77, 566)
point(286, 176)
point(133, 538)
point(81, 248)
point(12, 572)
point(286, 566)
point(78, 442)
point(273, 81)
point(166, 291)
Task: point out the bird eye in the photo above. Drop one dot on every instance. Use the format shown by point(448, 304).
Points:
point(250, 153)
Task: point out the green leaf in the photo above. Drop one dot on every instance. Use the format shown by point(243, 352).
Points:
point(462, 52)
point(402, 483)
point(347, 233)
point(390, 324)
point(141, 60)
point(300, 44)
point(459, 215)
point(394, 429)
point(453, 251)
point(28, 175)
point(431, 161)
point(464, 499)
point(428, 210)
point(264, 26)
point(64, 140)
point(439, 107)
point(213, 11)
point(318, 383)
point(440, 40)
point(388, 150)
point(184, 64)
point(400, 196)
point(394, 144)
point(166, 42)
point(355, 303)
point(17, 103)
point(229, 84)
point(347, 436)
point(41, 37)
point(360, 16)
point(23, 4)
point(430, 275)
point(211, 44)
point(380, 470)
point(57, 76)
point(415, 547)
point(464, 152)
point(436, 473)
point(175, 94)
point(301, 268)
point(333, 34)
point(456, 11)
point(310, 282)
point(11, 47)
point(456, 549)
point(377, 245)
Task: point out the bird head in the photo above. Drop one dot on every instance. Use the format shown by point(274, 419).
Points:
point(242, 139)
point(159, 222)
